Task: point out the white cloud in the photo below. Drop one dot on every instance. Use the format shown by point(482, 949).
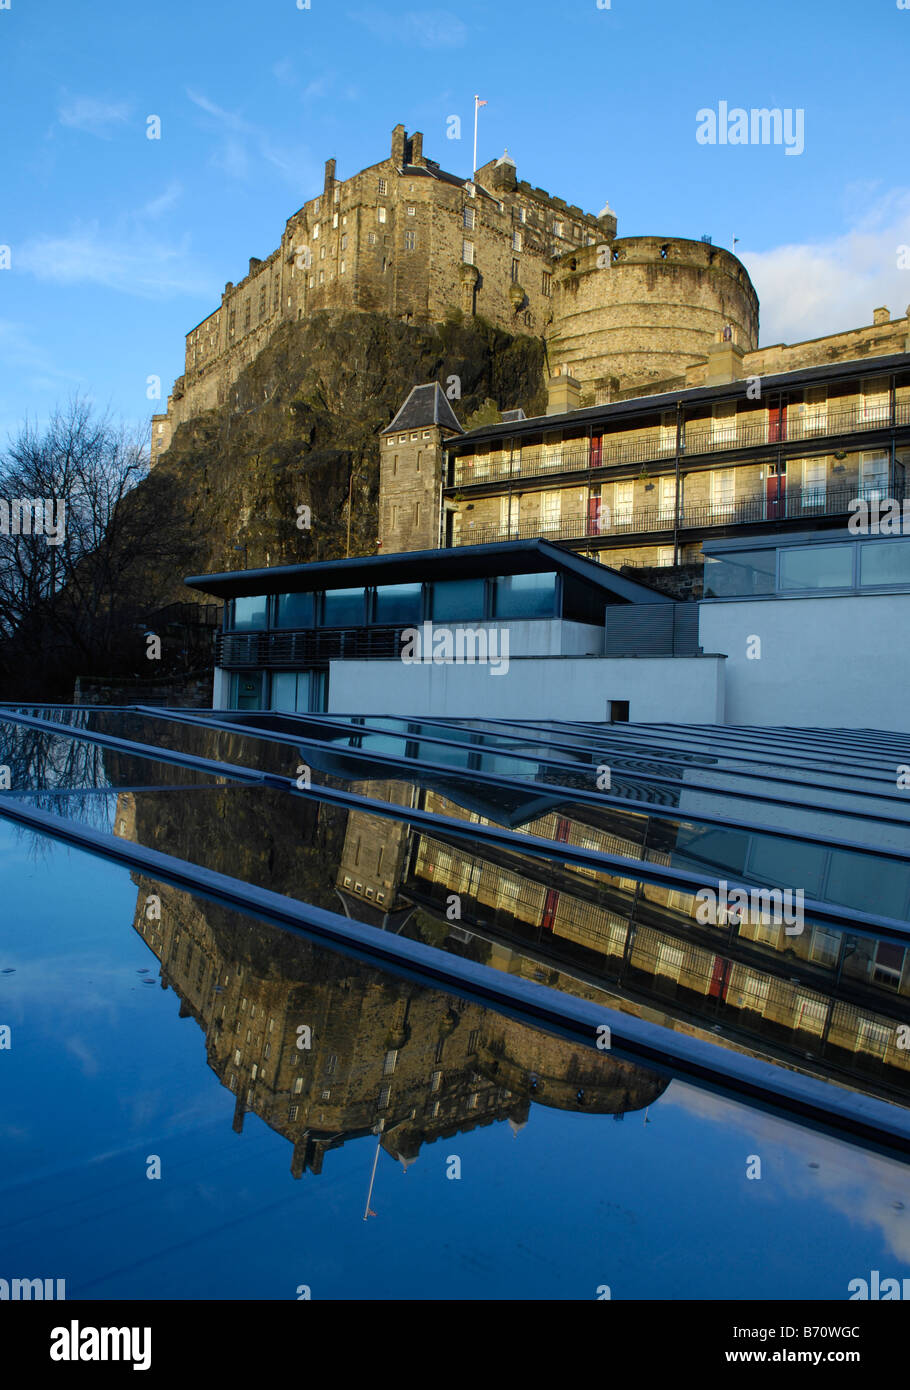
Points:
point(810, 289)
point(125, 258)
point(93, 116)
point(243, 147)
point(425, 28)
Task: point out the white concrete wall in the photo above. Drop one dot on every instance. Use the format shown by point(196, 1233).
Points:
point(540, 636)
point(659, 689)
point(829, 662)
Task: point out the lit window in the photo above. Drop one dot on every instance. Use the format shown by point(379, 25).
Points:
point(316, 232)
point(381, 213)
point(412, 212)
point(335, 220)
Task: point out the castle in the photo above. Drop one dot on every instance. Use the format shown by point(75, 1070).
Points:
point(406, 239)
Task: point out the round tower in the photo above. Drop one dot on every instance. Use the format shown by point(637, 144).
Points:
point(638, 311)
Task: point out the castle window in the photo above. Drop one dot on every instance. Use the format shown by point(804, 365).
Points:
point(371, 238)
point(336, 196)
point(546, 282)
point(232, 320)
point(322, 254)
point(522, 215)
point(312, 283)
point(344, 242)
point(412, 212)
point(467, 252)
point(516, 241)
point(276, 297)
point(322, 277)
point(384, 1094)
point(419, 457)
point(262, 302)
point(383, 187)
point(380, 211)
point(394, 465)
point(316, 232)
point(426, 433)
point(468, 219)
point(402, 439)
point(335, 220)
point(342, 268)
point(247, 314)
point(515, 268)
point(558, 228)
point(410, 241)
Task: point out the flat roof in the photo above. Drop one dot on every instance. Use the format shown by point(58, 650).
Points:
point(535, 556)
point(637, 405)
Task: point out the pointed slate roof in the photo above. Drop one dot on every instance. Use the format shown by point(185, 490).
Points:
point(426, 405)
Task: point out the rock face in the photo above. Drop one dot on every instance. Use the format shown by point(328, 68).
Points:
point(301, 428)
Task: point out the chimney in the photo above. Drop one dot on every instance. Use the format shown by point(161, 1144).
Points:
point(725, 363)
point(416, 151)
point(881, 316)
point(329, 180)
point(563, 394)
point(398, 139)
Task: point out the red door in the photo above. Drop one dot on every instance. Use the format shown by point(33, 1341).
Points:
point(777, 424)
point(593, 516)
point(594, 456)
point(777, 493)
point(549, 909)
point(719, 980)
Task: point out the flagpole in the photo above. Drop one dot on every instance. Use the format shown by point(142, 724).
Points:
point(476, 109)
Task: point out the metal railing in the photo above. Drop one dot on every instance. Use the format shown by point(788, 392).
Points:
point(714, 436)
point(313, 646)
point(796, 502)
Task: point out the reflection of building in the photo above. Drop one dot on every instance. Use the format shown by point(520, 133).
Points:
point(381, 1050)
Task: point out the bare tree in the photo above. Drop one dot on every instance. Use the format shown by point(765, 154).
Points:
point(88, 544)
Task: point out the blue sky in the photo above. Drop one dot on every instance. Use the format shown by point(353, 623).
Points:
point(120, 244)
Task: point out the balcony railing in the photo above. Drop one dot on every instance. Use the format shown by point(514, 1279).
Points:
point(713, 436)
point(795, 503)
point(312, 647)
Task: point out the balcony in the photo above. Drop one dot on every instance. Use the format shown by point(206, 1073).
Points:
point(311, 647)
point(703, 437)
point(798, 503)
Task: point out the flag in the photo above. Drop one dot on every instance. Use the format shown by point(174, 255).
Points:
point(481, 103)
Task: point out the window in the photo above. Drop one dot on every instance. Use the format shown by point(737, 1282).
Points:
point(723, 424)
point(380, 212)
point(546, 280)
point(522, 215)
point(825, 946)
point(344, 242)
point(343, 608)
point(815, 474)
point(316, 231)
point(516, 241)
point(232, 321)
point(666, 498)
point(247, 314)
point(665, 554)
point(262, 302)
point(884, 562)
point(623, 500)
point(524, 596)
point(399, 603)
point(467, 218)
point(458, 600)
point(383, 187)
point(412, 212)
point(742, 575)
point(335, 220)
point(294, 610)
point(669, 961)
point(668, 431)
point(515, 269)
point(410, 241)
point(558, 228)
point(872, 1036)
point(815, 413)
point(550, 510)
point(467, 252)
point(817, 567)
point(249, 613)
point(331, 1064)
point(875, 409)
point(388, 1066)
point(809, 1014)
point(723, 489)
point(371, 238)
point(384, 1094)
point(873, 471)
point(435, 1080)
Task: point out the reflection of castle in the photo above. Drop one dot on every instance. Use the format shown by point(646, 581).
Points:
point(823, 999)
point(424, 1065)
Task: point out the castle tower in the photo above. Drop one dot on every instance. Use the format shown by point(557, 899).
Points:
point(640, 309)
point(410, 470)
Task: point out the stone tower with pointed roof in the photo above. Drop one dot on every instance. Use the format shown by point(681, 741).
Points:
point(410, 470)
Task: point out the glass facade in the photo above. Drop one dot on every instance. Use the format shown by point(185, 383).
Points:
point(817, 567)
point(295, 610)
point(458, 600)
point(247, 614)
point(741, 575)
point(398, 603)
point(884, 562)
point(790, 570)
point(344, 608)
point(525, 596)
